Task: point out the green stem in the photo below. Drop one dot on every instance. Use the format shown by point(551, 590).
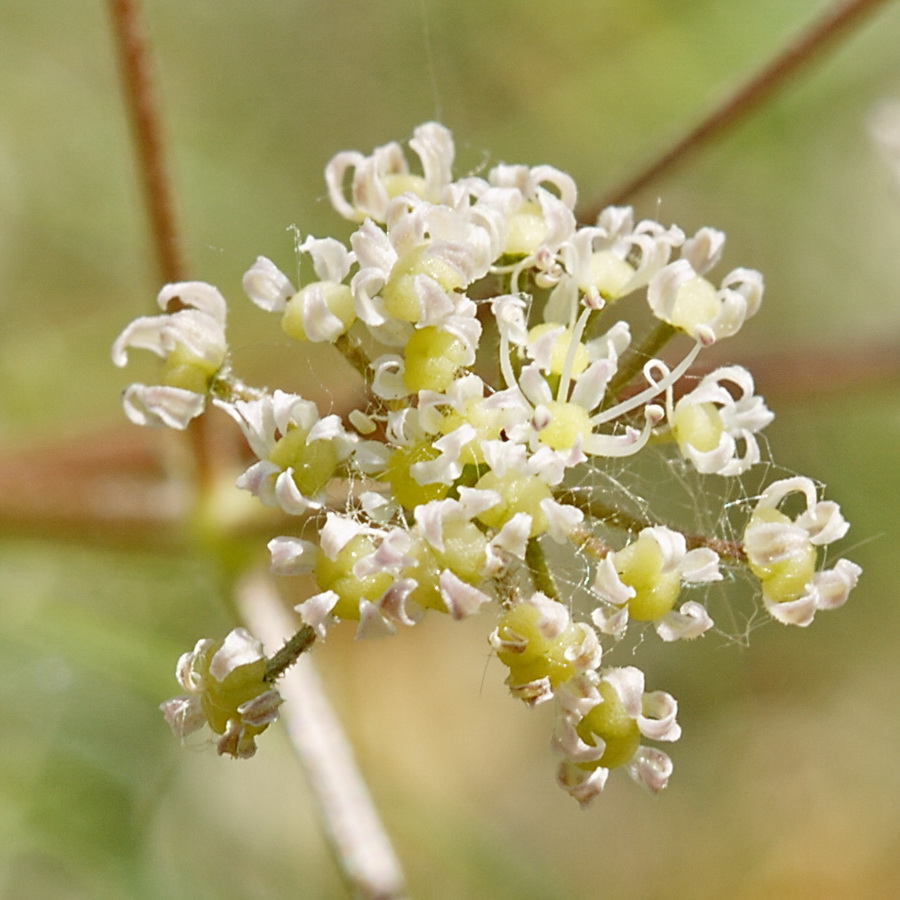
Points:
point(541, 575)
point(635, 358)
point(355, 355)
point(293, 647)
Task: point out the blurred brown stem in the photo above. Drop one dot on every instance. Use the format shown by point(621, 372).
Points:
point(146, 124)
point(773, 77)
point(143, 110)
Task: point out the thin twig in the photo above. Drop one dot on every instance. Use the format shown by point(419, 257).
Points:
point(358, 840)
point(802, 51)
point(134, 60)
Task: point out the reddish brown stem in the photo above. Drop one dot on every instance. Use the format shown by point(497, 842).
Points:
point(800, 52)
point(146, 122)
point(134, 60)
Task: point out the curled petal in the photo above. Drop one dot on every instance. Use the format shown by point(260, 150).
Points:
point(288, 496)
point(579, 695)
point(197, 294)
point(700, 566)
point(316, 611)
point(433, 144)
point(259, 480)
point(778, 490)
point(704, 249)
point(320, 324)
point(768, 543)
point(609, 586)
point(292, 556)
point(834, 585)
point(612, 622)
point(798, 612)
point(240, 648)
point(651, 768)
point(824, 523)
point(567, 741)
point(532, 693)
point(331, 259)
point(628, 683)
point(671, 543)
point(336, 533)
point(513, 536)
point(687, 623)
point(388, 382)
point(184, 714)
point(583, 785)
point(460, 598)
point(267, 286)
point(372, 623)
point(261, 710)
point(562, 519)
point(236, 741)
point(748, 283)
point(584, 654)
point(657, 721)
point(160, 405)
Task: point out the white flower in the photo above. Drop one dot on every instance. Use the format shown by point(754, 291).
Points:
point(360, 569)
point(226, 686)
point(782, 554)
point(414, 272)
point(594, 735)
point(542, 647)
point(710, 424)
point(191, 340)
point(321, 310)
point(610, 260)
point(385, 174)
point(677, 294)
point(563, 419)
point(298, 452)
point(643, 581)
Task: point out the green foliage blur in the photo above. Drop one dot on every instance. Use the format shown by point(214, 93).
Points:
point(785, 780)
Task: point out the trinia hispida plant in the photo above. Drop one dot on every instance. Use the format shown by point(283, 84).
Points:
point(484, 322)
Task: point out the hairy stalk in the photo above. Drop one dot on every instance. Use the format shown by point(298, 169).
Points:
point(773, 77)
point(358, 840)
point(290, 652)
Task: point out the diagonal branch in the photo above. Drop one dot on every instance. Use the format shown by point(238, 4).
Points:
point(775, 76)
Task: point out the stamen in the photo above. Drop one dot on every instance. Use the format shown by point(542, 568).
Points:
point(649, 393)
point(574, 344)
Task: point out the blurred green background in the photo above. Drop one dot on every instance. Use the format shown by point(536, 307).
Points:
point(786, 783)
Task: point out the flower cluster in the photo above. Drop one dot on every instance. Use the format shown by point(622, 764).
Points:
point(483, 321)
